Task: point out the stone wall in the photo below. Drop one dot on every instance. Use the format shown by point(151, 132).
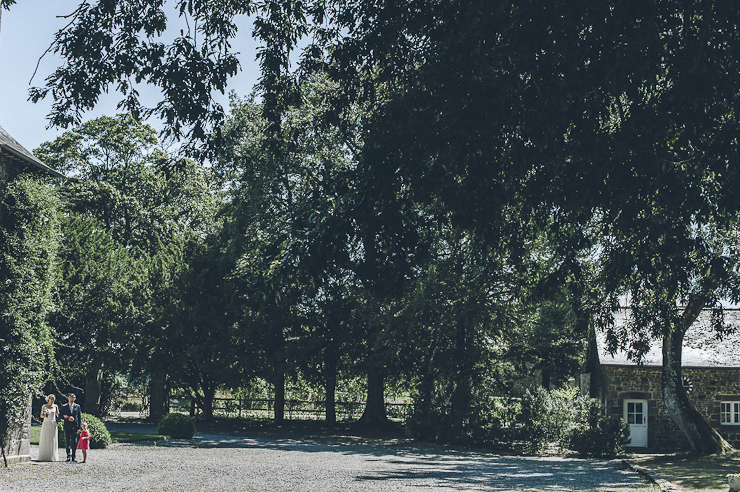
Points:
point(710, 387)
point(19, 444)
point(8, 168)
point(707, 388)
point(3, 170)
point(8, 172)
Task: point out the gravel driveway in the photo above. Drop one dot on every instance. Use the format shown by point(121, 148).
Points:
point(218, 462)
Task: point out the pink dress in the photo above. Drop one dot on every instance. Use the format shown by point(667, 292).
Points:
point(84, 443)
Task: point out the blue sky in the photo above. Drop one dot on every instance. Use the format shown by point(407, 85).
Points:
point(27, 30)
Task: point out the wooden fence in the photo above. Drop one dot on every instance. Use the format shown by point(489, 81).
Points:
point(294, 409)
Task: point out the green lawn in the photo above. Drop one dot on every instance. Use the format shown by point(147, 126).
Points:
point(134, 436)
point(692, 473)
point(115, 435)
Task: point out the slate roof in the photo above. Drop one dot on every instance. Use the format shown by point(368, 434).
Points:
point(8, 145)
point(701, 347)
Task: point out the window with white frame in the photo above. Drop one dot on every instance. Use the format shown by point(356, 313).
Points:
point(729, 412)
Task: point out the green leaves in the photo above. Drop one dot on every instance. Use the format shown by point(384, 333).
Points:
point(96, 320)
point(131, 209)
point(113, 45)
point(29, 242)
point(125, 179)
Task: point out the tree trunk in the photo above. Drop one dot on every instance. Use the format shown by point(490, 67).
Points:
point(546, 372)
point(331, 389)
point(209, 392)
point(702, 437)
point(280, 398)
point(374, 414)
point(592, 351)
point(158, 395)
point(93, 390)
point(461, 394)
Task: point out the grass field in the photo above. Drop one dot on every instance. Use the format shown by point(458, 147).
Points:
point(115, 435)
point(694, 473)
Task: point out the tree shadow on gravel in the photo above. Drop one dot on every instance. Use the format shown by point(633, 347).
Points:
point(500, 472)
point(449, 468)
point(396, 458)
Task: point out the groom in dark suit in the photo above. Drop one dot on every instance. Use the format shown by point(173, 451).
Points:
point(70, 412)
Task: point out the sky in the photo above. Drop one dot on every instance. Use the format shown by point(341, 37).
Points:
point(27, 30)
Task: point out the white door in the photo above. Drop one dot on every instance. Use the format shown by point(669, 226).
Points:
point(635, 414)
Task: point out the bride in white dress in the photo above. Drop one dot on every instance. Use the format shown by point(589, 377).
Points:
point(48, 440)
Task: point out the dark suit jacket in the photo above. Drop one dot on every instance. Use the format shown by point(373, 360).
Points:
point(74, 411)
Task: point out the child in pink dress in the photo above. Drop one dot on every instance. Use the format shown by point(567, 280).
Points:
point(84, 442)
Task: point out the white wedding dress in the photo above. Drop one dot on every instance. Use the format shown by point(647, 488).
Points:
point(48, 440)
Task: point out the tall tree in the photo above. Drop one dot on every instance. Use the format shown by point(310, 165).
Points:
point(582, 115)
point(579, 111)
point(95, 321)
point(289, 232)
point(455, 317)
point(122, 176)
point(146, 200)
point(669, 216)
point(204, 344)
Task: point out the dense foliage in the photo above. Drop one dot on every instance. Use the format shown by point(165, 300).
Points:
point(29, 243)
point(531, 424)
point(436, 183)
point(132, 209)
point(597, 434)
point(573, 421)
point(177, 426)
point(99, 436)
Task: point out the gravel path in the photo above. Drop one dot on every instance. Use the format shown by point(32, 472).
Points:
point(218, 462)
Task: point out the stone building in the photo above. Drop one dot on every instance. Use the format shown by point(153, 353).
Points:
point(14, 160)
point(711, 377)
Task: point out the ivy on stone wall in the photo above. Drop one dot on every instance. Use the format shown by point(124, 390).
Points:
point(29, 241)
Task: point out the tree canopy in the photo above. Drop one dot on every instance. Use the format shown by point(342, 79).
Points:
point(610, 130)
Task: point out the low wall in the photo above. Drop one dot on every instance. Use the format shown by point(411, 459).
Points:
point(19, 445)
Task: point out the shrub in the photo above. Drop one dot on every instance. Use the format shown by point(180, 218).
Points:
point(177, 426)
point(542, 418)
point(496, 422)
point(60, 433)
point(99, 435)
point(547, 417)
point(596, 434)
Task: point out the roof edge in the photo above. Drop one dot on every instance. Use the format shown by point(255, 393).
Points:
point(33, 161)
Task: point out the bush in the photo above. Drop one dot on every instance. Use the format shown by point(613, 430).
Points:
point(599, 435)
point(99, 435)
point(547, 417)
point(60, 434)
point(177, 426)
point(496, 422)
point(541, 419)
